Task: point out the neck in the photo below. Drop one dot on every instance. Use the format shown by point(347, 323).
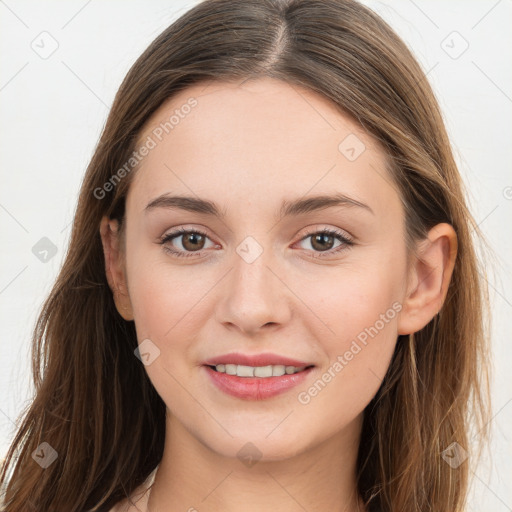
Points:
point(192, 477)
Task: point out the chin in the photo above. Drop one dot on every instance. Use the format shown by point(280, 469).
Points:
point(259, 447)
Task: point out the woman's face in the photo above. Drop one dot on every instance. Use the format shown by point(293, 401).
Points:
point(261, 278)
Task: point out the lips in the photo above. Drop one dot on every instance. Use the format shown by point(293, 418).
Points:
point(255, 388)
point(264, 359)
point(236, 374)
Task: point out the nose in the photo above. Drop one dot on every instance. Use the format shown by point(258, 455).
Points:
point(254, 296)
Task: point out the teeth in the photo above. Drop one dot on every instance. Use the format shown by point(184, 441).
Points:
point(258, 371)
point(230, 369)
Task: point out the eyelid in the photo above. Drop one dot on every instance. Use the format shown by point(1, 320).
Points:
point(325, 227)
point(182, 230)
point(345, 238)
point(309, 231)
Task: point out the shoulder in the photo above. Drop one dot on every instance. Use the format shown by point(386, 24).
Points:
point(131, 504)
point(138, 500)
point(136, 503)
point(127, 506)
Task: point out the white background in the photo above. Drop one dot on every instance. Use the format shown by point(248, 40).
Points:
point(53, 110)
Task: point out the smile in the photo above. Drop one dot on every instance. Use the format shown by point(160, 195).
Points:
point(256, 382)
point(240, 370)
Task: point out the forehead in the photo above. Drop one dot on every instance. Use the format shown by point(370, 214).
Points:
point(256, 141)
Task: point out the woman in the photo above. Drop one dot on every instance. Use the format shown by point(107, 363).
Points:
point(271, 299)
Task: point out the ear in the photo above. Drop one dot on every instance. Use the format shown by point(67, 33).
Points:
point(115, 266)
point(429, 278)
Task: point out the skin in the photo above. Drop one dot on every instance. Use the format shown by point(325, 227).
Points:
point(248, 147)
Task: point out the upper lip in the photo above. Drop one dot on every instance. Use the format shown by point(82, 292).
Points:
point(264, 359)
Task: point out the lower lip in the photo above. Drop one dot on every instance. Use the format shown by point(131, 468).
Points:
point(256, 388)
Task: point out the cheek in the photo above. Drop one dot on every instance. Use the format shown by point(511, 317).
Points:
point(162, 295)
point(361, 311)
point(351, 300)
point(165, 304)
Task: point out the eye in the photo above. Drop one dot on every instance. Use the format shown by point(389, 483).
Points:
point(324, 241)
point(192, 241)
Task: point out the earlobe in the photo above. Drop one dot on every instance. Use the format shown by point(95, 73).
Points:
point(114, 266)
point(430, 277)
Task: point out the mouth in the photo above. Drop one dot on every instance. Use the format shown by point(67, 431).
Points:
point(256, 382)
point(262, 372)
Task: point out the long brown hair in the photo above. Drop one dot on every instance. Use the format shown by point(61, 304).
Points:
point(94, 404)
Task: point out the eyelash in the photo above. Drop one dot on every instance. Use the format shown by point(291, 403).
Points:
point(339, 235)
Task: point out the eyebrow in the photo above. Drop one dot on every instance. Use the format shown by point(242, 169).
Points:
point(288, 208)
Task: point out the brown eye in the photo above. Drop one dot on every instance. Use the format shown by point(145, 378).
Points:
point(193, 241)
point(327, 241)
point(322, 241)
point(185, 242)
